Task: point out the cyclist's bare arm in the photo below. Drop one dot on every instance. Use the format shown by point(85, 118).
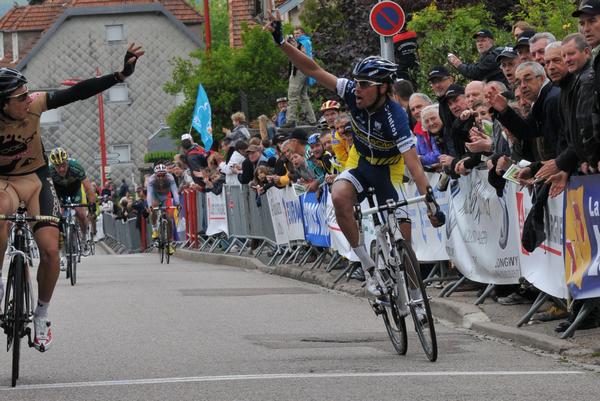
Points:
point(303, 62)
point(89, 192)
point(413, 163)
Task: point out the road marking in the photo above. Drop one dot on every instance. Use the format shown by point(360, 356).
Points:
point(196, 379)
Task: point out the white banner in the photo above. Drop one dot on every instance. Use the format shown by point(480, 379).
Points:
point(545, 266)
point(293, 213)
point(428, 242)
point(216, 214)
point(278, 216)
point(339, 242)
point(481, 240)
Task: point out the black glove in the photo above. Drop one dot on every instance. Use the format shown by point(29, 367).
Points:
point(433, 208)
point(277, 33)
point(128, 68)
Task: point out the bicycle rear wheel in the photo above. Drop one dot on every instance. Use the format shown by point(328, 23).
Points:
point(395, 324)
point(418, 301)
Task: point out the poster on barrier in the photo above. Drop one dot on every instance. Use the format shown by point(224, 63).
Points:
point(481, 241)
point(545, 266)
point(428, 242)
point(339, 242)
point(314, 218)
point(216, 214)
point(582, 236)
point(278, 217)
point(293, 214)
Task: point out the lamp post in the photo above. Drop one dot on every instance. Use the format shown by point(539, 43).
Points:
point(103, 163)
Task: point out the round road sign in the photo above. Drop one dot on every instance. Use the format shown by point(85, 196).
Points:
point(387, 18)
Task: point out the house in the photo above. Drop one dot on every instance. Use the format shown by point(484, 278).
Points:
point(67, 40)
point(255, 12)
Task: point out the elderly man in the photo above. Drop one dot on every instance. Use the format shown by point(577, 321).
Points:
point(508, 59)
point(522, 46)
point(554, 64)
point(537, 45)
point(486, 68)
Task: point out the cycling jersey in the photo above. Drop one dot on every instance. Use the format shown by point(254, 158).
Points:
point(159, 188)
point(379, 137)
point(70, 184)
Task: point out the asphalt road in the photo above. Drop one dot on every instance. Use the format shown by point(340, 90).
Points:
point(132, 329)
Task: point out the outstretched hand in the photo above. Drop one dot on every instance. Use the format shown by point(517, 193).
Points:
point(131, 57)
point(274, 26)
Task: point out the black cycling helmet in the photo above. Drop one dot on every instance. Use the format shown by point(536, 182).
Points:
point(375, 68)
point(10, 80)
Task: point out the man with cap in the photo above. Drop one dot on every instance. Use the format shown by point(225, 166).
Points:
point(440, 80)
point(195, 156)
point(508, 59)
point(280, 117)
point(486, 68)
point(522, 46)
point(588, 13)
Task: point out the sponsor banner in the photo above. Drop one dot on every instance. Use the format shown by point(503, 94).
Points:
point(544, 267)
point(216, 214)
point(314, 217)
point(339, 242)
point(481, 241)
point(293, 214)
point(582, 237)
point(428, 242)
point(278, 216)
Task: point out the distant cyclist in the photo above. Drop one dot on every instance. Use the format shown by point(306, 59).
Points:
point(69, 177)
point(158, 187)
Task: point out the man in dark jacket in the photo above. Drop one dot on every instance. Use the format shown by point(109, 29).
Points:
point(544, 121)
point(487, 68)
point(195, 157)
point(440, 80)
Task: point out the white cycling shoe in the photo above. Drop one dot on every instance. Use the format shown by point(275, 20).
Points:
point(43, 333)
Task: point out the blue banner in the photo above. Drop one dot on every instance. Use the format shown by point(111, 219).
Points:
point(201, 121)
point(582, 236)
point(314, 217)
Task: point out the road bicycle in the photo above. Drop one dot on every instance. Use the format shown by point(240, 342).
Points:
point(162, 242)
point(19, 299)
point(398, 275)
point(72, 239)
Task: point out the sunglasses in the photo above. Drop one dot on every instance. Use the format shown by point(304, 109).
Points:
point(21, 97)
point(364, 84)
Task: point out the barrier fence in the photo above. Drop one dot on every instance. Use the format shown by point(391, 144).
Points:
point(481, 237)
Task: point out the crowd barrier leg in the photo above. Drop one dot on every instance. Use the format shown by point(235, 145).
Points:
point(234, 242)
point(286, 250)
point(486, 293)
point(348, 270)
point(439, 273)
point(585, 310)
point(539, 301)
point(293, 255)
point(335, 258)
point(275, 254)
point(260, 248)
point(207, 243)
point(320, 260)
point(448, 290)
point(243, 247)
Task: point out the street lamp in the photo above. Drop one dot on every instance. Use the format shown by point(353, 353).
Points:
point(103, 163)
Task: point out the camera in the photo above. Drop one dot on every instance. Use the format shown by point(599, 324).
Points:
point(290, 38)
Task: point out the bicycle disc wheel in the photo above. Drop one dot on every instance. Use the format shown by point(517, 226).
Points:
point(395, 324)
point(74, 256)
point(18, 317)
point(418, 301)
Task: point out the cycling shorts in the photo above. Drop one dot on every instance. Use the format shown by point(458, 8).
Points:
point(72, 197)
point(36, 190)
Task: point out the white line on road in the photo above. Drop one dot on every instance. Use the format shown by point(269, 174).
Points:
point(196, 379)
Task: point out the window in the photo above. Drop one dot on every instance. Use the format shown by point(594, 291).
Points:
point(50, 117)
point(120, 153)
point(115, 34)
point(15, 46)
point(118, 93)
point(1, 45)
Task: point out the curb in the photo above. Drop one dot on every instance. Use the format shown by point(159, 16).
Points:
point(464, 315)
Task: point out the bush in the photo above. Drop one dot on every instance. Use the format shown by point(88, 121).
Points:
point(156, 157)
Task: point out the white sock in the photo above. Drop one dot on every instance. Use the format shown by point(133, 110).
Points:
point(42, 309)
point(365, 260)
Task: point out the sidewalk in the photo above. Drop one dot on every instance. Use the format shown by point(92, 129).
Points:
point(459, 309)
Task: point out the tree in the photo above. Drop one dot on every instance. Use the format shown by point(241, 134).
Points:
point(34, 2)
point(258, 69)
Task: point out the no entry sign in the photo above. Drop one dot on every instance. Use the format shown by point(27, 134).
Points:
point(387, 18)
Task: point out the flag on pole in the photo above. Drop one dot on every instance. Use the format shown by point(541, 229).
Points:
point(201, 121)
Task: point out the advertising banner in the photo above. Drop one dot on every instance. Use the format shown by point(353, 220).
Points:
point(278, 217)
point(314, 217)
point(293, 214)
point(216, 213)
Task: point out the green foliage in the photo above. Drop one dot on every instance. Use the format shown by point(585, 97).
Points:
point(547, 15)
point(219, 22)
point(258, 70)
point(154, 157)
point(450, 31)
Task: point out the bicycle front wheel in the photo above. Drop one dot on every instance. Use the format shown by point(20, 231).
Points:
point(418, 300)
point(16, 311)
point(164, 237)
point(68, 250)
point(395, 323)
point(74, 255)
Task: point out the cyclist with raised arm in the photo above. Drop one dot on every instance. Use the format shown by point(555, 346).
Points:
point(24, 174)
point(69, 176)
point(383, 144)
point(158, 187)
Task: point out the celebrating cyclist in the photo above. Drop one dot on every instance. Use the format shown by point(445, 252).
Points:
point(69, 177)
point(158, 187)
point(382, 140)
point(24, 174)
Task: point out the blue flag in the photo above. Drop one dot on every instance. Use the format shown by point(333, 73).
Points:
point(201, 120)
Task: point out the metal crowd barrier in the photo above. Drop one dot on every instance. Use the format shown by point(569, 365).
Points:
point(125, 233)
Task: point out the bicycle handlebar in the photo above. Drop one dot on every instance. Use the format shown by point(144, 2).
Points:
point(74, 205)
point(393, 205)
point(164, 207)
point(16, 217)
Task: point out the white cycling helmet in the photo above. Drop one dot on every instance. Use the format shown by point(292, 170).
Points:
point(160, 169)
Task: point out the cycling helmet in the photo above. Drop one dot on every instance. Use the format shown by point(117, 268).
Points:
point(160, 169)
point(314, 138)
point(58, 156)
point(10, 80)
point(322, 124)
point(330, 105)
point(375, 68)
